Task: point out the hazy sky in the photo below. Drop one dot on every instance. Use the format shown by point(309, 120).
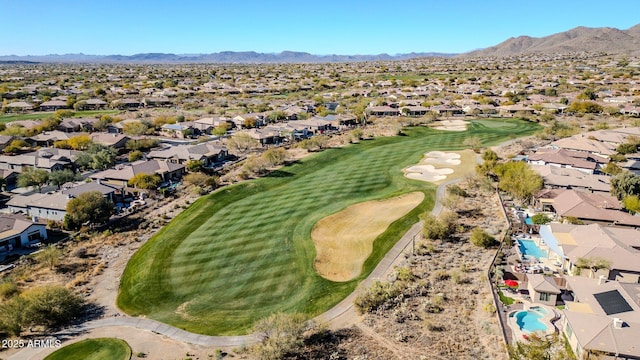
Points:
point(38, 27)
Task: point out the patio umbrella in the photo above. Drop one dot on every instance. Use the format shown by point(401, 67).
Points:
point(511, 283)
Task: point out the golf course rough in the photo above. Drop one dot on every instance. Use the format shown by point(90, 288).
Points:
point(245, 251)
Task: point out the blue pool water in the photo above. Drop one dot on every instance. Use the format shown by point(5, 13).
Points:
point(529, 321)
point(529, 248)
point(528, 221)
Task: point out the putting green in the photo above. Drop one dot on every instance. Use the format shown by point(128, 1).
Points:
point(94, 349)
point(245, 251)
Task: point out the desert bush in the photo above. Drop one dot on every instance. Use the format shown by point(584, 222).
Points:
point(375, 296)
point(281, 334)
point(481, 238)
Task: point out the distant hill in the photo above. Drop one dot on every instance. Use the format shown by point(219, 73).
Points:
point(244, 57)
point(606, 39)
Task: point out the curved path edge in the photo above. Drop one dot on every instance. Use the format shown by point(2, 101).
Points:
point(331, 316)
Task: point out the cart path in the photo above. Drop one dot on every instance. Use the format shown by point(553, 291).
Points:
point(341, 315)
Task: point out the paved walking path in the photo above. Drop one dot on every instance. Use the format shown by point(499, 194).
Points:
point(339, 315)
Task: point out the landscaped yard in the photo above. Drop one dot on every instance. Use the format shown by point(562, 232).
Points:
point(94, 349)
point(245, 252)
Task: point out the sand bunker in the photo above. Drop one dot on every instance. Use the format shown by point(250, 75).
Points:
point(344, 240)
point(451, 125)
point(442, 158)
point(427, 173)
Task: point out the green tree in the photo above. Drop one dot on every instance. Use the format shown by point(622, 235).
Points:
point(585, 107)
point(51, 306)
point(135, 155)
point(281, 334)
point(626, 148)
point(104, 158)
point(16, 146)
point(631, 203)
point(135, 128)
point(195, 165)
point(79, 142)
point(221, 129)
point(49, 256)
point(588, 94)
point(200, 180)
point(33, 177)
point(145, 181)
point(540, 219)
point(59, 177)
point(275, 156)
point(481, 238)
point(518, 179)
point(439, 228)
point(89, 207)
point(612, 169)
point(625, 184)
point(276, 116)
point(241, 142)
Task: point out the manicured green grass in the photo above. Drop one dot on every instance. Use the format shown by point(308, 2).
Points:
point(44, 115)
point(94, 349)
point(245, 251)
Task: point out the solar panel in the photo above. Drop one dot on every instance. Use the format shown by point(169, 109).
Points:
point(612, 302)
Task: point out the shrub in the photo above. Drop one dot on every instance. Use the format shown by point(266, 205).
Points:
point(375, 296)
point(481, 238)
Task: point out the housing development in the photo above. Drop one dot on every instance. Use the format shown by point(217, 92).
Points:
point(471, 207)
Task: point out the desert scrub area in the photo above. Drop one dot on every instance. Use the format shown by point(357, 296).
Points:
point(233, 257)
point(438, 305)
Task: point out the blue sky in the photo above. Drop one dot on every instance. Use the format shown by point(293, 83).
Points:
point(38, 27)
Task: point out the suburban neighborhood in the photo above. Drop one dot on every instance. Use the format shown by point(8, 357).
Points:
point(133, 192)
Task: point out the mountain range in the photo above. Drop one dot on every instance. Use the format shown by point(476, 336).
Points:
point(604, 39)
point(244, 57)
point(580, 39)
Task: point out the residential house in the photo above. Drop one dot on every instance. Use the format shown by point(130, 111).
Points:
point(569, 245)
point(18, 106)
point(70, 125)
point(209, 153)
point(48, 138)
point(50, 159)
point(567, 178)
point(382, 111)
point(181, 130)
point(543, 289)
point(265, 136)
point(17, 233)
point(603, 320)
point(126, 104)
point(557, 157)
point(157, 102)
point(581, 142)
point(588, 207)
point(91, 104)
point(121, 174)
point(5, 140)
point(53, 105)
point(49, 206)
point(116, 141)
point(113, 193)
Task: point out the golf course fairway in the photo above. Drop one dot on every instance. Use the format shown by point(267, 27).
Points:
point(245, 251)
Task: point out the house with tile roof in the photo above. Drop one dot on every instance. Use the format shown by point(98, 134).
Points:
point(122, 173)
point(603, 319)
point(17, 233)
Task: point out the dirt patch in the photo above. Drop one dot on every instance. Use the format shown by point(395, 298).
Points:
point(344, 240)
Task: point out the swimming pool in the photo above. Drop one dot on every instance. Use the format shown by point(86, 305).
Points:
point(529, 321)
point(529, 248)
